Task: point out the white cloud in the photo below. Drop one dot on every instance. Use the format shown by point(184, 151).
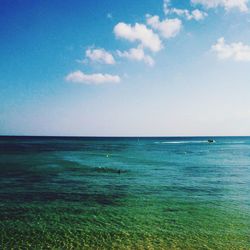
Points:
point(80, 77)
point(137, 54)
point(227, 4)
point(138, 32)
point(189, 15)
point(236, 51)
point(198, 15)
point(166, 8)
point(100, 55)
point(168, 28)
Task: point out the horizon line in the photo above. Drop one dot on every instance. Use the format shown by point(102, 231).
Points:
point(123, 136)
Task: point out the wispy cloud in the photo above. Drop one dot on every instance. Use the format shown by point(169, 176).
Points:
point(137, 54)
point(227, 4)
point(100, 55)
point(167, 28)
point(80, 77)
point(236, 51)
point(196, 14)
point(139, 32)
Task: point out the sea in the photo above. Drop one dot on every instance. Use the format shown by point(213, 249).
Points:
point(124, 193)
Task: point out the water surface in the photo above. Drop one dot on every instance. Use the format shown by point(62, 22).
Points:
point(124, 193)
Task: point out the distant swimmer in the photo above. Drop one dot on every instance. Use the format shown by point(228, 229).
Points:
point(210, 141)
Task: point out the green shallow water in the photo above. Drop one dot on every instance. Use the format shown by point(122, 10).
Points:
point(124, 193)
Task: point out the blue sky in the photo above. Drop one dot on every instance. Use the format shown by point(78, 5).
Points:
point(154, 68)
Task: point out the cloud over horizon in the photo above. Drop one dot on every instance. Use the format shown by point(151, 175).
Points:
point(236, 51)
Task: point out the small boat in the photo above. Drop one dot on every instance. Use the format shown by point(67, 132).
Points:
point(210, 141)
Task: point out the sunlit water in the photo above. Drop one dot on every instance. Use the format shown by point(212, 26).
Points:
point(124, 193)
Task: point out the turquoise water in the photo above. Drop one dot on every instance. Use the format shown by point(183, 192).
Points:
point(124, 193)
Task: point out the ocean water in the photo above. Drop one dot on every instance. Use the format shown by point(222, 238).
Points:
point(124, 193)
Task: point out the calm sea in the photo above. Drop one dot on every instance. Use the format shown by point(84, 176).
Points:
point(124, 193)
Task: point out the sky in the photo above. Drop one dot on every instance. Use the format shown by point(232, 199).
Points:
point(125, 68)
